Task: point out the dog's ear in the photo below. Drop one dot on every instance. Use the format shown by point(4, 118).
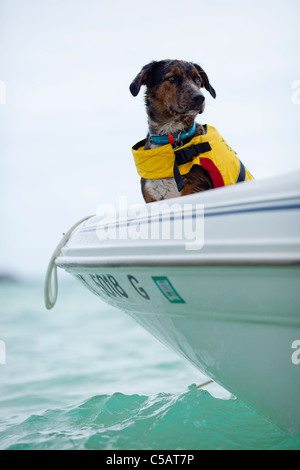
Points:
point(141, 79)
point(207, 85)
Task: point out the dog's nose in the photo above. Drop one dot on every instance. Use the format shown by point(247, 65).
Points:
point(197, 98)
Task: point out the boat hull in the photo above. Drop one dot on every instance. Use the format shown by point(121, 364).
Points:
point(229, 302)
point(241, 342)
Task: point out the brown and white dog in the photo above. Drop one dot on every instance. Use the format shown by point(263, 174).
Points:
point(173, 100)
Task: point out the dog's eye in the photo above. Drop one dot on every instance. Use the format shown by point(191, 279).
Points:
point(172, 79)
point(197, 80)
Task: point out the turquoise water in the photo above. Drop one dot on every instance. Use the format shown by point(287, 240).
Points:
point(86, 376)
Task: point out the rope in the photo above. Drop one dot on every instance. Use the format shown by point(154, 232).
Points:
point(51, 284)
point(204, 384)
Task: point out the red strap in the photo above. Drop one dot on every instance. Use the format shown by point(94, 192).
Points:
point(171, 139)
point(213, 171)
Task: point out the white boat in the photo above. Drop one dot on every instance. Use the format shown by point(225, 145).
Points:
point(226, 298)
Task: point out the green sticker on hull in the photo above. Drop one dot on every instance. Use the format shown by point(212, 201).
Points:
point(168, 290)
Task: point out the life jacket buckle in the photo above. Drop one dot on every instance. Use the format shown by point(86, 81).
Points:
point(186, 155)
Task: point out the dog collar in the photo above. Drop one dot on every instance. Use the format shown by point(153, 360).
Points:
point(172, 138)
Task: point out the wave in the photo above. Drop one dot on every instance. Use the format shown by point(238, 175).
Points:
point(192, 420)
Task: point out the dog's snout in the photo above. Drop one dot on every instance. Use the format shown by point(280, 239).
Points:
point(197, 98)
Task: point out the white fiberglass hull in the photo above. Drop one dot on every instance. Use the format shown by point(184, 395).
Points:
point(232, 306)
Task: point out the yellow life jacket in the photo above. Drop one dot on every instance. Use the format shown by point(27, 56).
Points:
point(209, 151)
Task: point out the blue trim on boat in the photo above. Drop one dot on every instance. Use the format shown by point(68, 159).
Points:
point(209, 214)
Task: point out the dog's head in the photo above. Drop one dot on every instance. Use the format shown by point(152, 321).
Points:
point(173, 89)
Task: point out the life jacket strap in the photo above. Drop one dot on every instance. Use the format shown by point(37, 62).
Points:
point(187, 154)
point(242, 173)
point(178, 177)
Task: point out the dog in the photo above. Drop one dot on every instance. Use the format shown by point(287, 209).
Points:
point(173, 100)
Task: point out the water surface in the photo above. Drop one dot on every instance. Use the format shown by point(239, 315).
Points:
point(85, 376)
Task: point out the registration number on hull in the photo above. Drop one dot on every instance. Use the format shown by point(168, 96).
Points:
point(108, 286)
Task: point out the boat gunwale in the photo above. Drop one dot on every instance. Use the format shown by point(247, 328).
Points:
point(78, 262)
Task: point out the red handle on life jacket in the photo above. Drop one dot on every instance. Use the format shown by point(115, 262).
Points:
point(171, 139)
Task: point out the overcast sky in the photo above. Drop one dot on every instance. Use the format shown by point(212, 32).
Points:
point(69, 121)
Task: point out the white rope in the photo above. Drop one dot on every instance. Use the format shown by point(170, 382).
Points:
point(51, 284)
